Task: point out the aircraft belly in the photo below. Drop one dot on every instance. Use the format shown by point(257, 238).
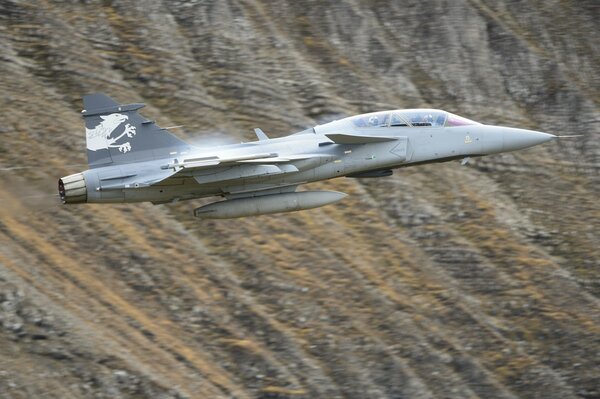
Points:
point(168, 191)
point(245, 172)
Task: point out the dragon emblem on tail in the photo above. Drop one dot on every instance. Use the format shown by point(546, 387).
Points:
point(99, 138)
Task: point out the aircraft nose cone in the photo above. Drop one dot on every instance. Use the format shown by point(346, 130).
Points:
point(516, 139)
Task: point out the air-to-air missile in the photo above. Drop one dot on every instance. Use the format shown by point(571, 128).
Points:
point(131, 159)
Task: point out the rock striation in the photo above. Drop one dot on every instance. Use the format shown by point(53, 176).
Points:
point(442, 281)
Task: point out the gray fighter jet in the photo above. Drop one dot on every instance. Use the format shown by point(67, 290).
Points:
point(132, 159)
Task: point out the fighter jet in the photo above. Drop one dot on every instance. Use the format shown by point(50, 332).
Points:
point(132, 159)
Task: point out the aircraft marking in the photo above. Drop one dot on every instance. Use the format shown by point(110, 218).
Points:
point(99, 138)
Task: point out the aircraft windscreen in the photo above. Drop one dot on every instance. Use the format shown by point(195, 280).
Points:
point(423, 117)
point(455, 120)
point(411, 117)
point(377, 119)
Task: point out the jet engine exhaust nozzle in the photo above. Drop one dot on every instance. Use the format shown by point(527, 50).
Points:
point(72, 189)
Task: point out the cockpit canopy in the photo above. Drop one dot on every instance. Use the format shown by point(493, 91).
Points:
point(410, 117)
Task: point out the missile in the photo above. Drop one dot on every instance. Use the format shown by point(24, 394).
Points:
point(266, 204)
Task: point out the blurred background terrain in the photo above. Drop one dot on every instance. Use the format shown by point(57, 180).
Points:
point(443, 281)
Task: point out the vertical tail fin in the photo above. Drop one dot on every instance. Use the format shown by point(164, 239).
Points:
point(116, 133)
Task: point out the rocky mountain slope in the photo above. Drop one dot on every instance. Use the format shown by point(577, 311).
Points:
point(443, 281)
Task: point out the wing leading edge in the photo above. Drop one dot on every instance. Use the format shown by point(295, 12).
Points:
point(340, 138)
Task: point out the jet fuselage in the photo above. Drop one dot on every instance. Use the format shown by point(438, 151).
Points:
point(368, 145)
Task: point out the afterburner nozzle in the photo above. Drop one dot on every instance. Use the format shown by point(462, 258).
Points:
point(72, 189)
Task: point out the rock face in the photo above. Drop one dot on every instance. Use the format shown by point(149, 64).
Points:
point(441, 281)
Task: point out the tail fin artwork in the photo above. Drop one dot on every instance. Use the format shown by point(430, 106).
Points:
point(117, 134)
